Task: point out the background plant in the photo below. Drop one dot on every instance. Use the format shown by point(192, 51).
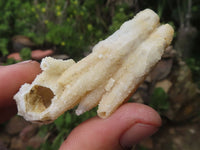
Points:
point(159, 100)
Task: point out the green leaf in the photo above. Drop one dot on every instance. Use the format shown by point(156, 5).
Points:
point(58, 140)
point(159, 100)
point(43, 130)
point(68, 118)
point(59, 122)
point(25, 53)
point(3, 46)
point(46, 146)
point(10, 61)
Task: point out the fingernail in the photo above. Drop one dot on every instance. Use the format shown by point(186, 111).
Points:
point(136, 133)
point(24, 62)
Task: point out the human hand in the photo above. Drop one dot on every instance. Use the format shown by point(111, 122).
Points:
point(127, 126)
point(130, 124)
point(11, 78)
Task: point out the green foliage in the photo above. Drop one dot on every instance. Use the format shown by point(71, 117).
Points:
point(160, 9)
point(25, 54)
point(71, 27)
point(142, 148)
point(10, 61)
point(159, 100)
point(194, 64)
point(195, 68)
point(68, 25)
point(120, 16)
point(3, 46)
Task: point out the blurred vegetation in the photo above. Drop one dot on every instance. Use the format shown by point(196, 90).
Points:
point(72, 27)
point(25, 53)
point(159, 100)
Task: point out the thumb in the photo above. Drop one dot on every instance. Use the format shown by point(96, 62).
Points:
point(11, 78)
point(127, 126)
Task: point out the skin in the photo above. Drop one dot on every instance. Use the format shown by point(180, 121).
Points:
point(130, 124)
point(36, 54)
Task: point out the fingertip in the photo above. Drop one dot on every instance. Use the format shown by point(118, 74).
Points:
point(25, 71)
point(136, 133)
point(113, 132)
point(140, 113)
point(13, 76)
point(30, 63)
